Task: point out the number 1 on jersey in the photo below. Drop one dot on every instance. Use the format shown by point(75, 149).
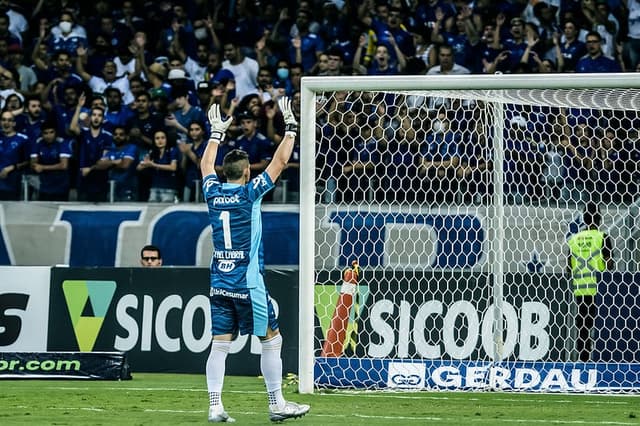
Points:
point(226, 229)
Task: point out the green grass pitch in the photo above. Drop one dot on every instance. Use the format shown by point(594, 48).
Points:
point(176, 399)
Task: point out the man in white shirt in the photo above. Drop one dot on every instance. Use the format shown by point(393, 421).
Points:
point(18, 25)
point(244, 69)
point(447, 66)
point(109, 78)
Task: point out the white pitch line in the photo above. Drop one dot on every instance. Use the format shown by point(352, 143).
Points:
point(369, 416)
point(419, 418)
point(441, 398)
point(367, 394)
point(77, 408)
point(139, 389)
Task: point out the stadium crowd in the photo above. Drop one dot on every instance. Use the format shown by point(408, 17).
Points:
point(106, 100)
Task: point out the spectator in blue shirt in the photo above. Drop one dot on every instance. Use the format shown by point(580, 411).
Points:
point(364, 157)
point(383, 62)
point(66, 38)
point(391, 33)
point(579, 155)
point(50, 161)
point(461, 39)
point(162, 160)
point(307, 46)
point(144, 122)
point(631, 158)
point(92, 142)
point(184, 114)
point(141, 129)
point(516, 43)
point(192, 151)
point(13, 157)
point(401, 155)
point(59, 76)
point(334, 25)
point(120, 160)
point(572, 48)
point(440, 159)
point(474, 172)
point(485, 52)
point(63, 111)
point(522, 161)
point(595, 61)
point(117, 114)
point(425, 12)
point(609, 166)
point(257, 145)
point(30, 120)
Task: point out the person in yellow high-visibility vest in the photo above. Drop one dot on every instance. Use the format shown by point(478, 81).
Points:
point(589, 254)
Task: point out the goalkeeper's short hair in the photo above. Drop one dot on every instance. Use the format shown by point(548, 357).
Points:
point(234, 164)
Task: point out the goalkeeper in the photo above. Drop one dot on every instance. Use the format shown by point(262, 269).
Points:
point(239, 300)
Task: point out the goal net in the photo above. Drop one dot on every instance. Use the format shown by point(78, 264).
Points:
point(437, 222)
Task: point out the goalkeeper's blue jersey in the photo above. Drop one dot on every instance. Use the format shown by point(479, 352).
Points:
point(236, 229)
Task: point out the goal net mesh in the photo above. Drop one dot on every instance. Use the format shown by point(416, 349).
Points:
point(458, 207)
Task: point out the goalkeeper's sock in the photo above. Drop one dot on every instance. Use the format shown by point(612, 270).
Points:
point(271, 367)
point(215, 398)
point(216, 364)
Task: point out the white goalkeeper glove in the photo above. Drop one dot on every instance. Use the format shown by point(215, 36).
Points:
point(291, 125)
point(218, 126)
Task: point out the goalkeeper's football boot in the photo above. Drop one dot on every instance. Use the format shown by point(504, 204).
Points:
point(291, 410)
point(218, 415)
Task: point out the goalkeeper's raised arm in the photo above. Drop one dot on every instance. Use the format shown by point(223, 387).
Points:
point(283, 152)
point(218, 133)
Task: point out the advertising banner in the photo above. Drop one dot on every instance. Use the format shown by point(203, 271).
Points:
point(24, 307)
point(160, 317)
point(431, 330)
point(449, 315)
point(64, 365)
point(477, 375)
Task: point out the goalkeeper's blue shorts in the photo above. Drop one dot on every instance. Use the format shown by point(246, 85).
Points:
point(246, 311)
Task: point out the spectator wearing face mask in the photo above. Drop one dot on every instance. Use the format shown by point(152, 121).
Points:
point(282, 77)
point(66, 36)
point(194, 52)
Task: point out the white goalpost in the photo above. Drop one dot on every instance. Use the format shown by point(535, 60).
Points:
point(456, 196)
